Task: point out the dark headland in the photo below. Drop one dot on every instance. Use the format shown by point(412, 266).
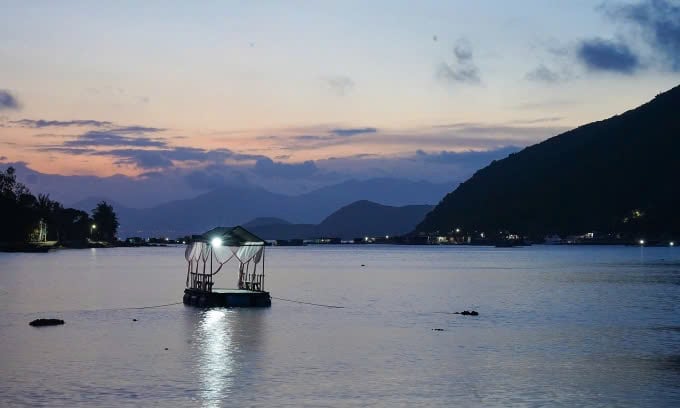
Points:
point(617, 177)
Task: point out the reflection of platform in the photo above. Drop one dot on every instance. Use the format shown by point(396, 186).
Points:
point(226, 298)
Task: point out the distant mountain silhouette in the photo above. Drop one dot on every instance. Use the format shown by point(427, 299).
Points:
point(358, 219)
point(619, 175)
point(238, 205)
point(258, 222)
point(366, 218)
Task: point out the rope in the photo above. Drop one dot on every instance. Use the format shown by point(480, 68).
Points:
point(308, 303)
point(109, 309)
point(147, 307)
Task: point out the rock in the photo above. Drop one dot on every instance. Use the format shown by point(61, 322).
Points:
point(468, 313)
point(166, 348)
point(46, 322)
point(134, 320)
point(438, 329)
point(363, 265)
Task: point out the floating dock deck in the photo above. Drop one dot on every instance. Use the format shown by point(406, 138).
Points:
point(226, 298)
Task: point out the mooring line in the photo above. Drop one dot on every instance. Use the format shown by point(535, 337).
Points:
point(107, 309)
point(149, 307)
point(308, 303)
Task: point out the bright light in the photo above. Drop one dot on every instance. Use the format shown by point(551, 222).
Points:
point(642, 242)
point(94, 226)
point(672, 243)
point(457, 230)
point(184, 242)
point(387, 237)
point(216, 242)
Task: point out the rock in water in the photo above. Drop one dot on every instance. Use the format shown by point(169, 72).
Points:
point(46, 322)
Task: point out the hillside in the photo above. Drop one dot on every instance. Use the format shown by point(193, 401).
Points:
point(361, 218)
point(617, 175)
point(366, 218)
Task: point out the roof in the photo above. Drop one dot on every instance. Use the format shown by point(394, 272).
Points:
point(232, 236)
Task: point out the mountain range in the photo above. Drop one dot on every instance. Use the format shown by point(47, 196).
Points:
point(237, 205)
point(358, 219)
point(615, 175)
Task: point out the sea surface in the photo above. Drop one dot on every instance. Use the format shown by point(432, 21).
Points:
point(558, 326)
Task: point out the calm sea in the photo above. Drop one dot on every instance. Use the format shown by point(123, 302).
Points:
point(558, 326)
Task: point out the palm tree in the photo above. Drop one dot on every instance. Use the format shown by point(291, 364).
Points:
point(106, 223)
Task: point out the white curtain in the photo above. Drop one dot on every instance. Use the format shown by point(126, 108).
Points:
point(201, 251)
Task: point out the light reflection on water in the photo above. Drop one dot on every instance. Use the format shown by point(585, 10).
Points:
point(216, 364)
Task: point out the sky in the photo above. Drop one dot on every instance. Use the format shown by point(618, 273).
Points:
point(295, 94)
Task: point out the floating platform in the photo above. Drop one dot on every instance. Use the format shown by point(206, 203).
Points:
point(226, 298)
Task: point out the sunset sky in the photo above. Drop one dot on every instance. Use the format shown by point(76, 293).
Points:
point(299, 87)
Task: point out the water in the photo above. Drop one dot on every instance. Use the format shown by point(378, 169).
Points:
point(558, 326)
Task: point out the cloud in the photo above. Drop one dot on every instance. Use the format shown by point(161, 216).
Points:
point(341, 85)
point(138, 129)
point(659, 21)
point(110, 126)
point(41, 123)
point(215, 176)
point(598, 54)
point(75, 151)
point(164, 158)
point(8, 101)
point(538, 120)
point(142, 152)
point(106, 138)
point(467, 157)
point(543, 74)
point(353, 131)
point(269, 168)
point(310, 137)
point(145, 159)
point(463, 69)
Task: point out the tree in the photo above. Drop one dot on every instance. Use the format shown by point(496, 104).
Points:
point(18, 213)
point(105, 222)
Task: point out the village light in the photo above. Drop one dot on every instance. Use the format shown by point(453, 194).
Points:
point(672, 243)
point(94, 226)
point(642, 242)
point(216, 242)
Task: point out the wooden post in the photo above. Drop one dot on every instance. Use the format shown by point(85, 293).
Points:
point(263, 252)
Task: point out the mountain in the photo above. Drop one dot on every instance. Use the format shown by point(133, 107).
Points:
point(262, 221)
point(358, 219)
point(366, 218)
point(237, 205)
point(615, 175)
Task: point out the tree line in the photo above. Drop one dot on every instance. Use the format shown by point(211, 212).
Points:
point(23, 216)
